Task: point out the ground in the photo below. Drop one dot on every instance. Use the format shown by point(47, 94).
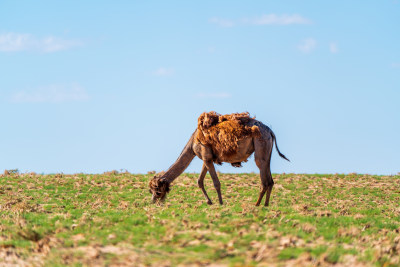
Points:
point(109, 220)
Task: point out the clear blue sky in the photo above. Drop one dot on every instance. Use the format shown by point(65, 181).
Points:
point(91, 86)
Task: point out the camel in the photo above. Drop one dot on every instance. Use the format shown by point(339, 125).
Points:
point(245, 136)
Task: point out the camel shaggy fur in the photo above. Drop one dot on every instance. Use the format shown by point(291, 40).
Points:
point(223, 132)
point(223, 138)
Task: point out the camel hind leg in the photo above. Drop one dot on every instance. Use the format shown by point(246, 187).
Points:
point(262, 155)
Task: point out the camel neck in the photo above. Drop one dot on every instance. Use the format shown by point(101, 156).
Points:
point(181, 163)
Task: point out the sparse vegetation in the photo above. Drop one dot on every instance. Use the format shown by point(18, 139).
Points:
point(108, 219)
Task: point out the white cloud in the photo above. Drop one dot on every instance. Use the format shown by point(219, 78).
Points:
point(267, 19)
point(51, 94)
point(307, 45)
point(13, 42)
point(211, 49)
point(164, 71)
point(222, 22)
point(333, 48)
point(273, 19)
point(213, 95)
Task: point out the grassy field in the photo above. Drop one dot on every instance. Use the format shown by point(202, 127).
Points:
point(107, 219)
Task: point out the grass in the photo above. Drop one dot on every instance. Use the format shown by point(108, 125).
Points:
point(108, 219)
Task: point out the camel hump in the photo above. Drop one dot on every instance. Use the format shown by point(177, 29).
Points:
point(223, 132)
point(209, 119)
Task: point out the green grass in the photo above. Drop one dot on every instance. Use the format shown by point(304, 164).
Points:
point(99, 220)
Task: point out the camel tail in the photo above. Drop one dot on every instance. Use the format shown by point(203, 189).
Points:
point(276, 145)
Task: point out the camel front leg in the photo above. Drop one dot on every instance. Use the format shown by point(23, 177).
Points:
point(214, 176)
point(200, 182)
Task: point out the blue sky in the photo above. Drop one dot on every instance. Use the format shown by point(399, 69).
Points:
point(91, 86)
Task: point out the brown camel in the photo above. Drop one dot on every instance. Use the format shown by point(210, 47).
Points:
point(228, 138)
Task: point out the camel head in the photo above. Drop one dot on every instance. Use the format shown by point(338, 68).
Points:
point(159, 187)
